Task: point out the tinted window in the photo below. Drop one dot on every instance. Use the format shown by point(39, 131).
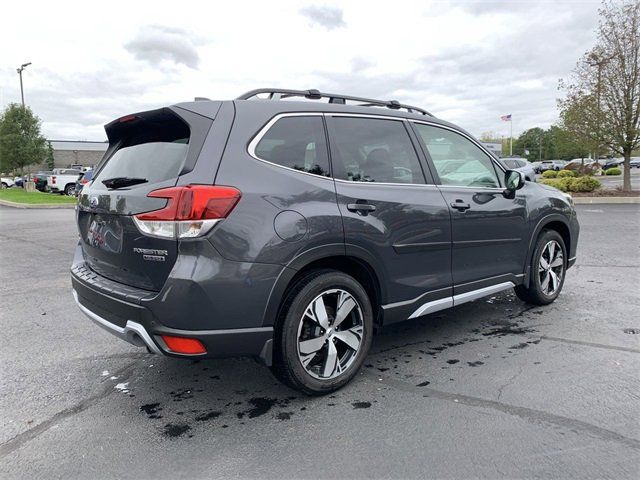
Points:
point(298, 143)
point(153, 161)
point(511, 163)
point(371, 150)
point(458, 161)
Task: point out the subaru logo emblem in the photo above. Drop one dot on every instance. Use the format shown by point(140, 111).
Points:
point(93, 202)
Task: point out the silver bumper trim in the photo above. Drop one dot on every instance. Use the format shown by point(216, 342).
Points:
point(132, 332)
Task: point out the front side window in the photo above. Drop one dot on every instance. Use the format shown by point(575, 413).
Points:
point(458, 161)
point(296, 142)
point(373, 150)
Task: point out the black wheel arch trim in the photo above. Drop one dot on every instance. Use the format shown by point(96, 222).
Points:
point(300, 261)
point(543, 222)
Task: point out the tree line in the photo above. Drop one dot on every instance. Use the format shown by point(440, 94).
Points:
point(534, 144)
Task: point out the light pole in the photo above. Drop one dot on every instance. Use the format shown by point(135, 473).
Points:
point(598, 60)
point(19, 70)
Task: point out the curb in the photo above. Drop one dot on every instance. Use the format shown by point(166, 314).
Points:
point(8, 203)
point(605, 200)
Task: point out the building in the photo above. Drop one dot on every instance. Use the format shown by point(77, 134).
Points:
point(495, 148)
point(69, 152)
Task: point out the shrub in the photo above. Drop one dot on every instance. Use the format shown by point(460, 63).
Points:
point(567, 173)
point(613, 171)
point(584, 184)
point(570, 184)
point(549, 174)
point(559, 183)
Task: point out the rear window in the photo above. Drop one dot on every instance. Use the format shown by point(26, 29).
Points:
point(155, 151)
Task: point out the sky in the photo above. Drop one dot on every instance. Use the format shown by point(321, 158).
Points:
point(466, 61)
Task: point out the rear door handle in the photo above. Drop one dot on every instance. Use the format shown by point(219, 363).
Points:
point(361, 208)
point(460, 205)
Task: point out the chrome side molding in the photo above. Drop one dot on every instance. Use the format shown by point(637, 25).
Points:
point(433, 306)
point(444, 303)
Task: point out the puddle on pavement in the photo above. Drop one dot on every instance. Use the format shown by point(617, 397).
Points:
point(177, 413)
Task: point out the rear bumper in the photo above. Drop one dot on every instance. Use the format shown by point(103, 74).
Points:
point(134, 323)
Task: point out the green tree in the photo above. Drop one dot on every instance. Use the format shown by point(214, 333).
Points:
point(50, 159)
point(21, 143)
point(602, 102)
point(531, 141)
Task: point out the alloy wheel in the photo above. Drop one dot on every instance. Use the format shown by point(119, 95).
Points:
point(330, 334)
point(551, 268)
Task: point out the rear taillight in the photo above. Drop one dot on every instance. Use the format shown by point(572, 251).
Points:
point(191, 211)
point(84, 181)
point(53, 179)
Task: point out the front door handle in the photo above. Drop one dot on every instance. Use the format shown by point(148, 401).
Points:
point(460, 205)
point(361, 208)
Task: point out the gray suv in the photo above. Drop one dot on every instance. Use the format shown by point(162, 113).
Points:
point(290, 225)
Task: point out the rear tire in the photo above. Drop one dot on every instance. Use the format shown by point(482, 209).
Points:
point(323, 333)
point(547, 270)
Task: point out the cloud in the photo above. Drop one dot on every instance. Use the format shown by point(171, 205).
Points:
point(327, 17)
point(156, 43)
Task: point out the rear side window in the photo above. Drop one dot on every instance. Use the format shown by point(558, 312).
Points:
point(296, 142)
point(154, 151)
point(373, 150)
point(512, 163)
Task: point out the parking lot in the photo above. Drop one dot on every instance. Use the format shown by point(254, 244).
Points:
point(493, 389)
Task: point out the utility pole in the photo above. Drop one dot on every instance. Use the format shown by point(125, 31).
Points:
point(19, 70)
point(540, 149)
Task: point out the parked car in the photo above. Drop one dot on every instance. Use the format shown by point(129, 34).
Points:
point(291, 230)
point(635, 162)
point(536, 166)
point(611, 163)
point(63, 180)
point(6, 182)
point(556, 165)
point(18, 182)
point(40, 179)
point(82, 181)
point(521, 165)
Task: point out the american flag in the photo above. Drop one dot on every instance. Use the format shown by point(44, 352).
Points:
point(506, 118)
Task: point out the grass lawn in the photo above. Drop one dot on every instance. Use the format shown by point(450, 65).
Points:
point(18, 195)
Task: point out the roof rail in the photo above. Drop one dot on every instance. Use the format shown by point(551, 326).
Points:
point(312, 94)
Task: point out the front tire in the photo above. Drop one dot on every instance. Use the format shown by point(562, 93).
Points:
point(69, 189)
point(547, 270)
point(323, 334)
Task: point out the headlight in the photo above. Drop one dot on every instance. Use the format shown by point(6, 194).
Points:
point(569, 199)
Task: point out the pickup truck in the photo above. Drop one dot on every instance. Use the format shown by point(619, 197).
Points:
point(63, 180)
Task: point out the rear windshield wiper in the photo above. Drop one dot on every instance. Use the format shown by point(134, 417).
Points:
point(119, 182)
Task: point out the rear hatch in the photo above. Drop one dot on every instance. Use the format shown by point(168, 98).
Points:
point(147, 151)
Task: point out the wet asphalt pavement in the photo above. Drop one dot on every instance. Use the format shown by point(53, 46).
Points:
point(491, 389)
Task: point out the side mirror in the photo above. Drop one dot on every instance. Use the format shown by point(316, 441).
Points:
point(513, 181)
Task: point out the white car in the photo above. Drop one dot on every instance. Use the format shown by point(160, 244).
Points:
point(7, 182)
point(63, 180)
point(521, 165)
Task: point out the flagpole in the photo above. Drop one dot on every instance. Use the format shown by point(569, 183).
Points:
point(511, 136)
